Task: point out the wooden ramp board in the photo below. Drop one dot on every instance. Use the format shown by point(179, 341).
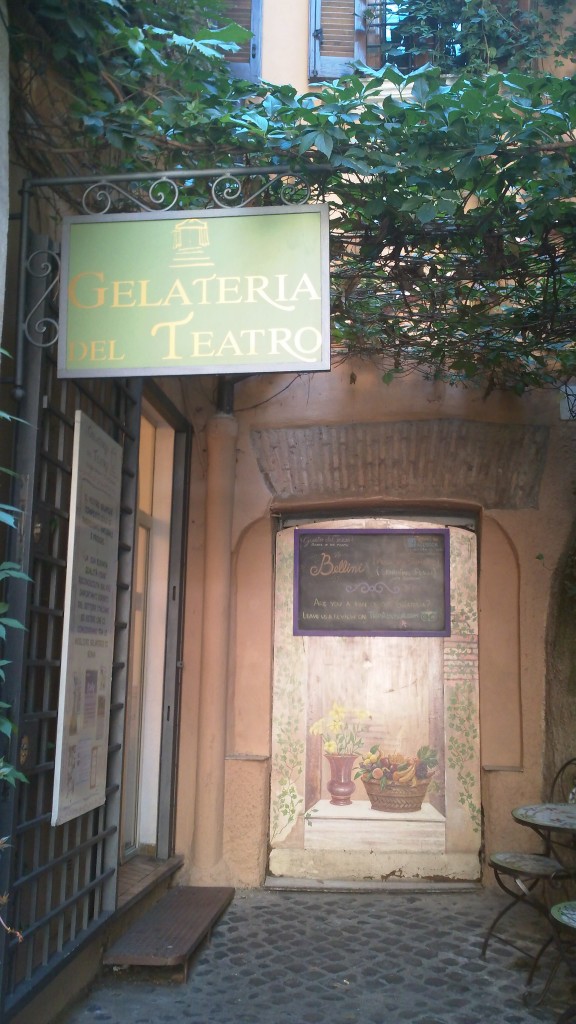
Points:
point(169, 932)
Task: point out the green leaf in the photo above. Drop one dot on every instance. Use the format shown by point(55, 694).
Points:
point(6, 727)
point(13, 572)
point(485, 148)
point(137, 46)
point(258, 121)
point(324, 142)
point(427, 213)
point(10, 624)
point(11, 775)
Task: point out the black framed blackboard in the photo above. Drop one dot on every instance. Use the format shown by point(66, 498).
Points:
point(372, 582)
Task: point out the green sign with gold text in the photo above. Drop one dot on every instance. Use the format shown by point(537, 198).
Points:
point(215, 291)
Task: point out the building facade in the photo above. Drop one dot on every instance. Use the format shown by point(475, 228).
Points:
point(263, 519)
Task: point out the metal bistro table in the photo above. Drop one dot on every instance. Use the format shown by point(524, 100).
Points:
point(555, 823)
point(565, 914)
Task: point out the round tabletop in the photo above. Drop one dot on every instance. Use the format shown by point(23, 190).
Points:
point(565, 913)
point(555, 817)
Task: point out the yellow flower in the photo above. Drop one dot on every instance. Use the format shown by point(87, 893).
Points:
point(339, 729)
point(339, 716)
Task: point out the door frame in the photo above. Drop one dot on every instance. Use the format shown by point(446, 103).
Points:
point(174, 617)
point(308, 839)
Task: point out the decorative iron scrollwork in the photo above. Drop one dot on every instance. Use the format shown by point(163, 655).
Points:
point(43, 331)
point(110, 196)
point(236, 188)
point(231, 191)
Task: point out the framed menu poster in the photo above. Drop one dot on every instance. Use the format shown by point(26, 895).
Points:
point(89, 614)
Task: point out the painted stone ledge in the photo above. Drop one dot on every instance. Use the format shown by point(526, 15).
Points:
point(497, 465)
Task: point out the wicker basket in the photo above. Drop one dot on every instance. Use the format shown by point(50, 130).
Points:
point(396, 797)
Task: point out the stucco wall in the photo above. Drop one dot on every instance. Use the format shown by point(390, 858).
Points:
point(524, 523)
point(284, 43)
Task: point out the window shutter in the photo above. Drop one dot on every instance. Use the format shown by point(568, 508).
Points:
point(337, 36)
point(245, 62)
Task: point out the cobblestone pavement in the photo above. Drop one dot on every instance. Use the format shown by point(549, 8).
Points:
point(380, 957)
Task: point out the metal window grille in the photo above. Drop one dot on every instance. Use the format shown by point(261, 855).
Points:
point(396, 35)
point(61, 880)
point(388, 38)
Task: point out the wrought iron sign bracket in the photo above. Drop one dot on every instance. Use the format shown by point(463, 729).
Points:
point(162, 191)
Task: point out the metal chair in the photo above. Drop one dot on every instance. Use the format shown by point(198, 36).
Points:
point(563, 921)
point(528, 877)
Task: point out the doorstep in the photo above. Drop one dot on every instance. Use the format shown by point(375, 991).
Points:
point(140, 875)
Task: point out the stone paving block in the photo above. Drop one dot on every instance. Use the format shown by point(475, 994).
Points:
point(378, 957)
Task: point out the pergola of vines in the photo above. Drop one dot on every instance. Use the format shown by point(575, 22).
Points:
point(453, 243)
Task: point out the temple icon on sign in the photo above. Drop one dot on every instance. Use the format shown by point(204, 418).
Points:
point(190, 243)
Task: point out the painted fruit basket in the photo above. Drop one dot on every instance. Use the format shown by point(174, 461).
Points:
point(395, 797)
point(394, 782)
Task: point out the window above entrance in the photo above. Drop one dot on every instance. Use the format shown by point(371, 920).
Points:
point(377, 32)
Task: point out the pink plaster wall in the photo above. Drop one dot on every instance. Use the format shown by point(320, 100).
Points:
point(512, 653)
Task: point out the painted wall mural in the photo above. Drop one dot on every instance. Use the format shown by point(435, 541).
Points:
point(375, 739)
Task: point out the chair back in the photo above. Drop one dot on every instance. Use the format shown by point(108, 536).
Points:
point(563, 789)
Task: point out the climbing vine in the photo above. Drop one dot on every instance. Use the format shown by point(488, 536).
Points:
point(287, 766)
point(453, 222)
point(462, 746)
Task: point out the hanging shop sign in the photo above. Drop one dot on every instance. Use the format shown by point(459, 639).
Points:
point(217, 291)
point(372, 582)
point(81, 756)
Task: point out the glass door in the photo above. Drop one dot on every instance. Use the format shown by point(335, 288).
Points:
point(144, 718)
point(135, 694)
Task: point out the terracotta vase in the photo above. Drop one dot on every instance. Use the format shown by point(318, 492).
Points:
point(341, 785)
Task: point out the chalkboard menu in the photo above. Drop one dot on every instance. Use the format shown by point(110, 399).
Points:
point(372, 582)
